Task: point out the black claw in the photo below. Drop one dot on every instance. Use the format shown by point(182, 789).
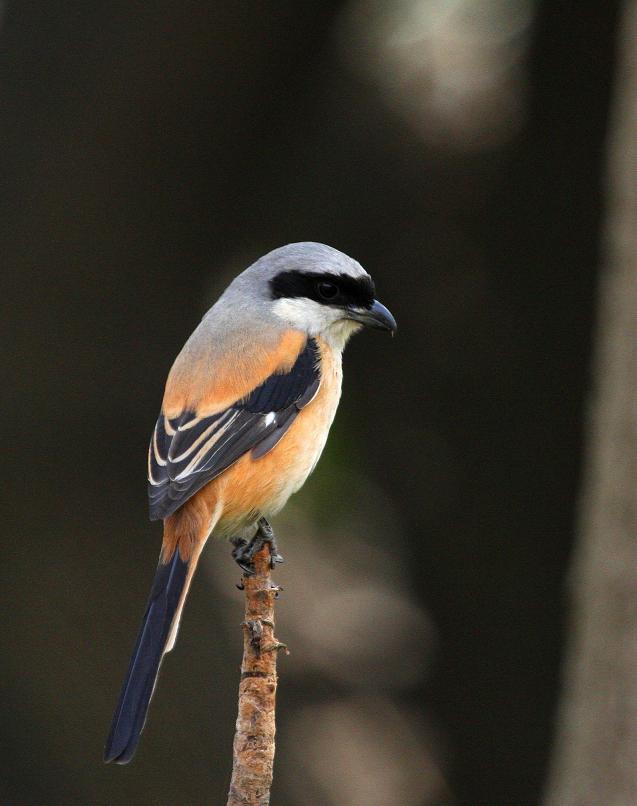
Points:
point(244, 551)
point(246, 566)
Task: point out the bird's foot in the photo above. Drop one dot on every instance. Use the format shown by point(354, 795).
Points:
point(244, 550)
point(267, 534)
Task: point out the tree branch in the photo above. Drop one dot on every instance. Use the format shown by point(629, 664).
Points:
point(253, 747)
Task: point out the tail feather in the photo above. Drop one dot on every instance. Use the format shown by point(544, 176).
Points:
point(159, 624)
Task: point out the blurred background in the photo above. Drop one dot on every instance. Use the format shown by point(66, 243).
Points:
point(466, 152)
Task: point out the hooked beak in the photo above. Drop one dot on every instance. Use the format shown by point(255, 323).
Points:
point(377, 317)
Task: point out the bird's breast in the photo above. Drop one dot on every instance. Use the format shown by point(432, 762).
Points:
point(265, 484)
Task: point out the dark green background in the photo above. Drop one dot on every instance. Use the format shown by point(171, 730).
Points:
point(148, 151)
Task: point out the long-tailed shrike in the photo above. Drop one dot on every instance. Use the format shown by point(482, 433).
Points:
point(246, 412)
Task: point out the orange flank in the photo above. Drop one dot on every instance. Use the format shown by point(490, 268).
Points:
point(186, 528)
point(254, 487)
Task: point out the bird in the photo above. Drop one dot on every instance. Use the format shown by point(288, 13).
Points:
point(246, 412)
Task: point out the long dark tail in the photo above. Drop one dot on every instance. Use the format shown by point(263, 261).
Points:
point(158, 627)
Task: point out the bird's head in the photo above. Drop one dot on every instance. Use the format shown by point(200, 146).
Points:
point(319, 290)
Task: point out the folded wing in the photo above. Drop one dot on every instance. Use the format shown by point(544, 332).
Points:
point(186, 452)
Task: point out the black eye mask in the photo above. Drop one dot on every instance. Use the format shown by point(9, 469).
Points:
point(340, 290)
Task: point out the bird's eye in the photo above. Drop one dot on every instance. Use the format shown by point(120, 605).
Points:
point(327, 290)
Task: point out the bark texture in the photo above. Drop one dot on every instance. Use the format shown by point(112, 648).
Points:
point(253, 748)
point(596, 750)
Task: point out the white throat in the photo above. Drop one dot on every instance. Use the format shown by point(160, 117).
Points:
point(315, 319)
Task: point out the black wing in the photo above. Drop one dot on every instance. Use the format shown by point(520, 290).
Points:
point(189, 451)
